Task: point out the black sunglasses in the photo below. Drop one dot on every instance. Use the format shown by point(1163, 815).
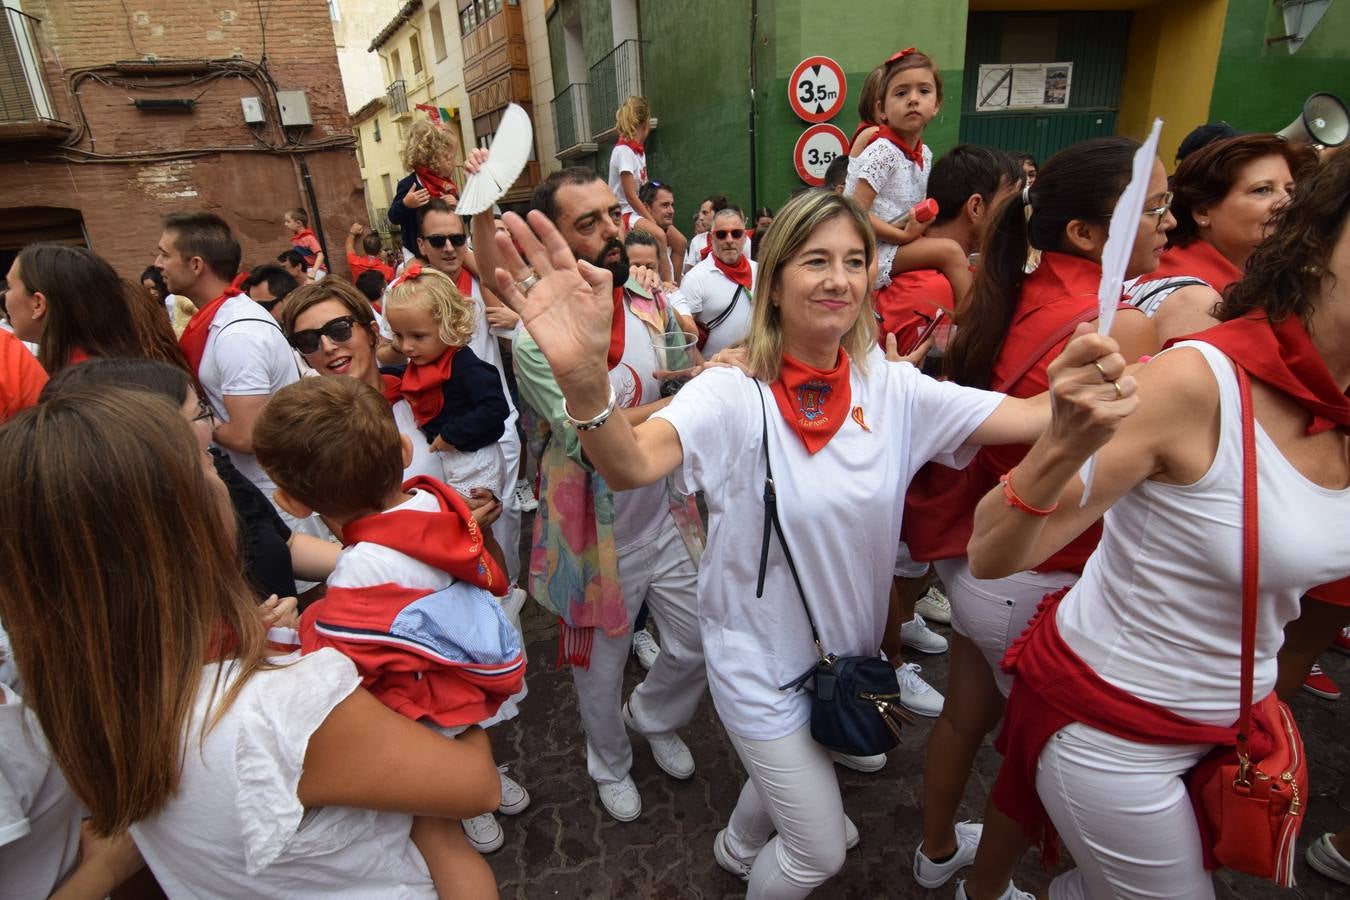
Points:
point(337, 331)
point(735, 234)
point(438, 240)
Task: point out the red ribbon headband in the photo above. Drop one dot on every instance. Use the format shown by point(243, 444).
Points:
point(410, 271)
point(901, 55)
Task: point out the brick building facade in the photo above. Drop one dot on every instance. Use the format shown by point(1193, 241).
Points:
point(112, 115)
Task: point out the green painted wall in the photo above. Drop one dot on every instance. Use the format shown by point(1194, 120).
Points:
point(1260, 88)
point(557, 59)
point(597, 29)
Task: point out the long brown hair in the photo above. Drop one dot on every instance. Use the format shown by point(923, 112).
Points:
point(1206, 176)
point(1286, 272)
point(121, 581)
point(1082, 182)
point(92, 310)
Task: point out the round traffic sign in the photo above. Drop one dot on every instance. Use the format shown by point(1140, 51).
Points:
point(818, 146)
point(817, 89)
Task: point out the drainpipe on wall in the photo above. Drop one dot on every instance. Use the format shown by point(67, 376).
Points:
point(754, 38)
point(314, 208)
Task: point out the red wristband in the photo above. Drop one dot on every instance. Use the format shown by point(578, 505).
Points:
point(1010, 497)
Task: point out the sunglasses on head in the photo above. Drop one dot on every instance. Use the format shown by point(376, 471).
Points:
point(337, 331)
point(438, 240)
point(734, 234)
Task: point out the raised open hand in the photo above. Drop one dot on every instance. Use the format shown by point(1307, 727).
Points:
point(568, 309)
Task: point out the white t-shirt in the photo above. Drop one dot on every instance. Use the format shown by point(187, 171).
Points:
point(840, 509)
point(639, 513)
point(698, 243)
point(236, 828)
point(39, 816)
point(625, 159)
point(246, 355)
point(705, 293)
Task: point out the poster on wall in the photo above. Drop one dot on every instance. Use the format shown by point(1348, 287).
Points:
point(1004, 86)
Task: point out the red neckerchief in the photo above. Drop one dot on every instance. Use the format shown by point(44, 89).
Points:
point(739, 273)
point(1283, 356)
point(863, 126)
point(421, 386)
point(814, 402)
point(1198, 259)
point(464, 281)
point(637, 148)
point(617, 328)
point(436, 185)
point(707, 248)
point(914, 154)
point(1055, 688)
point(448, 539)
point(193, 339)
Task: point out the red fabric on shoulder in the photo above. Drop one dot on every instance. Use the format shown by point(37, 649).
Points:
point(913, 154)
point(1337, 593)
point(193, 339)
point(1200, 260)
point(21, 376)
point(909, 303)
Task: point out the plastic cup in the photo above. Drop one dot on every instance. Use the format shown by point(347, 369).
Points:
point(676, 356)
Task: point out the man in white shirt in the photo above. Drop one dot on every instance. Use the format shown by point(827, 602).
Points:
point(236, 348)
point(718, 291)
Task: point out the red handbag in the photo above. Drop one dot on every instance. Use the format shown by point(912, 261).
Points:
point(1249, 799)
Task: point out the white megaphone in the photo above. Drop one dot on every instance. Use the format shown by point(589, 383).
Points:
point(1324, 120)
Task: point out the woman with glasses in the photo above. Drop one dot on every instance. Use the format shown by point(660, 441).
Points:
point(1223, 198)
point(1014, 325)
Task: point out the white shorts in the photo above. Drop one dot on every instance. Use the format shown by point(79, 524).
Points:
point(992, 613)
point(480, 468)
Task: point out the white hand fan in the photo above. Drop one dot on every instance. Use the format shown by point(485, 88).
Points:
point(510, 151)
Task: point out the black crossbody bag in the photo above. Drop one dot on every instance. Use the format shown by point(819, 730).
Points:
point(855, 702)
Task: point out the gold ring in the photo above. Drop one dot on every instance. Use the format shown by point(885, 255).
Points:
point(528, 282)
point(1101, 370)
point(1120, 395)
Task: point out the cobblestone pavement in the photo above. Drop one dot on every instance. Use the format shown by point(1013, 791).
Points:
point(565, 846)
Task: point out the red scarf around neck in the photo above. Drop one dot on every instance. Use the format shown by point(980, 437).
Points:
point(863, 126)
point(436, 185)
point(1282, 355)
point(448, 539)
point(464, 281)
point(739, 273)
point(914, 154)
point(1198, 259)
point(617, 329)
point(421, 386)
point(193, 339)
point(814, 402)
point(637, 148)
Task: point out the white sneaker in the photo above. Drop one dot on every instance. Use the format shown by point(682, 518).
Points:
point(917, 695)
point(670, 752)
point(931, 874)
point(1012, 893)
point(741, 867)
point(934, 606)
point(865, 764)
point(524, 495)
point(484, 833)
point(1323, 856)
point(515, 799)
point(645, 648)
point(916, 633)
point(851, 836)
point(621, 799)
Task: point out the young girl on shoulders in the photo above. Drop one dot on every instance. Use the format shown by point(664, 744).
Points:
point(627, 175)
point(891, 175)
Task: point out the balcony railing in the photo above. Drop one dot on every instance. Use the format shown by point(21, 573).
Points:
point(614, 79)
point(397, 92)
point(23, 91)
point(571, 119)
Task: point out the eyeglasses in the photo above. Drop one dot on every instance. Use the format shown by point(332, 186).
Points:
point(337, 331)
point(734, 234)
point(205, 414)
point(1160, 212)
point(438, 240)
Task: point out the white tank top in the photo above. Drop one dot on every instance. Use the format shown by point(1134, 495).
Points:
point(1158, 609)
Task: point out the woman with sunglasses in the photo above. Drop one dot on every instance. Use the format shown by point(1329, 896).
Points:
point(1223, 197)
point(845, 431)
point(1012, 328)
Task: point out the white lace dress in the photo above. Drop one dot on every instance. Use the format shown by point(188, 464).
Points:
point(899, 184)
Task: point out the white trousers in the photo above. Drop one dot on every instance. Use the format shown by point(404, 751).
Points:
point(993, 612)
point(507, 527)
point(792, 789)
point(662, 574)
point(1122, 811)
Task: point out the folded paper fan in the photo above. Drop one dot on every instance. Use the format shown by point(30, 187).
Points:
point(510, 150)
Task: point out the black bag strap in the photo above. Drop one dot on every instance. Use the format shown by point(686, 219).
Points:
point(1164, 284)
point(722, 316)
point(771, 517)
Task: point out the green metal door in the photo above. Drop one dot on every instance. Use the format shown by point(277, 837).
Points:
point(1093, 41)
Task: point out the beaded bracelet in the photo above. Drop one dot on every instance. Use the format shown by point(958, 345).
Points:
point(1010, 497)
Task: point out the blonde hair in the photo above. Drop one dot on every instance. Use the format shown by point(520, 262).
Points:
point(632, 114)
point(426, 141)
point(794, 224)
point(434, 292)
